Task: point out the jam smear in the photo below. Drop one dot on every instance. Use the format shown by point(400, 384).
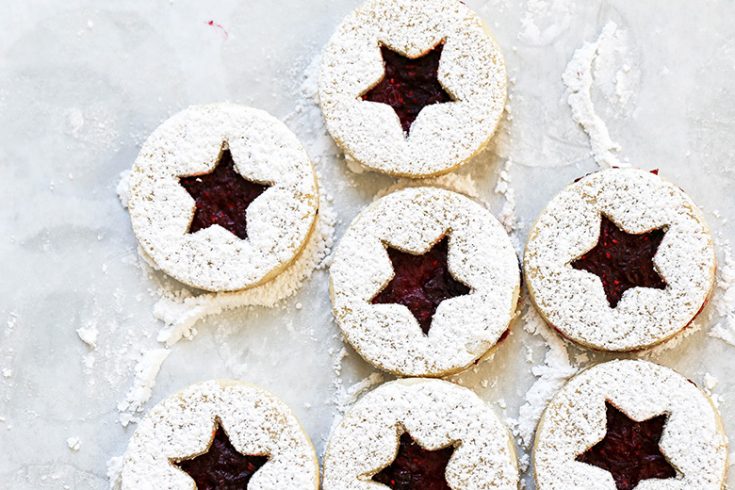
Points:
point(421, 282)
point(416, 468)
point(222, 197)
point(623, 260)
point(409, 84)
point(222, 467)
point(630, 450)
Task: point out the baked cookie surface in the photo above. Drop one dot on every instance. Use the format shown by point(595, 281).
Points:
point(424, 282)
point(627, 425)
point(412, 87)
point(620, 260)
point(420, 433)
point(223, 197)
point(220, 434)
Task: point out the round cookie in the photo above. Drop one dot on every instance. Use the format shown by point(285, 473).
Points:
point(620, 260)
point(421, 433)
point(223, 197)
point(412, 88)
point(424, 282)
point(630, 424)
point(220, 433)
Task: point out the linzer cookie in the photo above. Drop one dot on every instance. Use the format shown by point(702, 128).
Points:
point(420, 434)
point(424, 282)
point(220, 435)
point(412, 87)
point(620, 260)
point(223, 197)
point(628, 425)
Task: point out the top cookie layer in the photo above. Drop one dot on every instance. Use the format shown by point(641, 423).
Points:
point(256, 423)
point(444, 135)
point(575, 421)
point(574, 301)
point(279, 220)
point(436, 414)
point(463, 328)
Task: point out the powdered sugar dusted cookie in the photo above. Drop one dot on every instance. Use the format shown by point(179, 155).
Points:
point(424, 282)
point(630, 424)
point(420, 433)
point(220, 434)
point(223, 197)
point(412, 87)
point(620, 260)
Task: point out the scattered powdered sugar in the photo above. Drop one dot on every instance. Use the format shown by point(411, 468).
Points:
point(552, 375)
point(145, 379)
point(724, 299)
point(123, 188)
point(472, 70)
point(508, 216)
point(114, 472)
point(464, 328)
point(255, 421)
point(579, 77)
point(74, 443)
point(575, 420)
point(181, 313)
point(89, 334)
point(545, 20)
point(436, 414)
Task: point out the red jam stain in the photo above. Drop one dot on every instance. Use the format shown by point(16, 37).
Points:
point(409, 84)
point(421, 282)
point(222, 197)
point(222, 467)
point(630, 450)
point(219, 26)
point(416, 468)
point(622, 260)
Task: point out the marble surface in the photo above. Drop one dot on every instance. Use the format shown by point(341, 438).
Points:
point(81, 85)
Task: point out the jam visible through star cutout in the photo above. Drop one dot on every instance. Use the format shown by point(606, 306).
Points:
point(622, 260)
point(421, 282)
point(222, 467)
point(630, 450)
point(222, 197)
point(409, 84)
point(416, 468)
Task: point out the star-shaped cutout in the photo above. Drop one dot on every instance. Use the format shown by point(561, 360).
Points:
point(416, 468)
point(222, 197)
point(409, 84)
point(622, 260)
point(421, 282)
point(222, 467)
point(630, 450)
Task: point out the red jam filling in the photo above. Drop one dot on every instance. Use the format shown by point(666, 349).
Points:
point(421, 282)
point(409, 84)
point(622, 260)
point(222, 467)
point(222, 197)
point(630, 450)
point(416, 468)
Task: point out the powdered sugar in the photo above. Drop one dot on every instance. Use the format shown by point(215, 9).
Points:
point(145, 379)
point(436, 414)
point(578, 77)
point(463, 328)
point(724, 300)
point(575, 420)
point(279, 220)
point(552, 375)
point(256, 423)
point(444, 135)
point(574, 302)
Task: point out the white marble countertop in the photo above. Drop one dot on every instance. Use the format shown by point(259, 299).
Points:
point(82, 83)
